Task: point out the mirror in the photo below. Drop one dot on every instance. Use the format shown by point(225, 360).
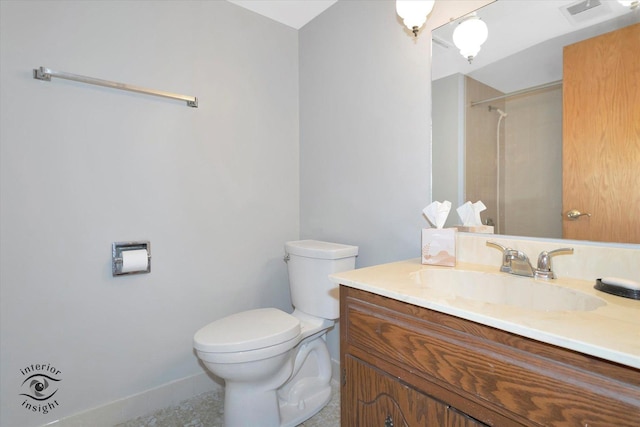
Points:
point(497, 120)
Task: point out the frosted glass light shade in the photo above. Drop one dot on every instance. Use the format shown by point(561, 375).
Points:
point(469, 36)
point(629, 3)
point(414, 12)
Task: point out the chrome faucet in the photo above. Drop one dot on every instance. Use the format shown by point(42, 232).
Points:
point(544, 270)
point(517, 262)
point(514, 261)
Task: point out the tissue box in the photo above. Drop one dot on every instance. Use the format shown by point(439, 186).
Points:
point(439, 246)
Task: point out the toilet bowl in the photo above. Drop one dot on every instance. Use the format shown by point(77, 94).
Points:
point(276, 365)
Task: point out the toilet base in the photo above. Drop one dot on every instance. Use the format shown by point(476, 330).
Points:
point(291, 416)
point(309, 389)
point(305, 380)
point(255, 403)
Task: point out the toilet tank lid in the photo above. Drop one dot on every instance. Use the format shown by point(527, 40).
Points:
point(247, 330)
point(318, 249)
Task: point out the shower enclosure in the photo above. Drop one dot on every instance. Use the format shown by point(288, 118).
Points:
point(494, 154)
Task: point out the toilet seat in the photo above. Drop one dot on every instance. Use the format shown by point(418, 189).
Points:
point(248, 331)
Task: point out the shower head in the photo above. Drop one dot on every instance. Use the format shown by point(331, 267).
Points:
point(502, 113)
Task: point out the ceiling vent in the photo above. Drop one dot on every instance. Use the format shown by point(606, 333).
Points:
point(585, 10)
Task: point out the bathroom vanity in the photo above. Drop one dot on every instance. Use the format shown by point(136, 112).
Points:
point(418, 353)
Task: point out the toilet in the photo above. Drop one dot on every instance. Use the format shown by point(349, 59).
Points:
point(276, 365)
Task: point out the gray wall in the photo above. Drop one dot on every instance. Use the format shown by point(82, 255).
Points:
point(365, 127)
point(365, 130)
point(215, 189)
point(448, 154)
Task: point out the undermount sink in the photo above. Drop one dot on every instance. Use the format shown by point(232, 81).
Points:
point(505, 289)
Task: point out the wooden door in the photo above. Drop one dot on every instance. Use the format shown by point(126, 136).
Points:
point(601, 137)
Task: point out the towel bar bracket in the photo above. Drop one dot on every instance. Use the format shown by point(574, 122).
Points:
point(40, 74)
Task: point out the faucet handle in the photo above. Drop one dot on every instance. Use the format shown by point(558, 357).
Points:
point(544, 263)
point(506, 258)
point(503, 248)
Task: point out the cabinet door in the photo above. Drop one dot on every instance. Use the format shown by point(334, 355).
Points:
point(372, 398)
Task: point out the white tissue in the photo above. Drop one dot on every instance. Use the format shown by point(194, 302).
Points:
point(469, 213)
point(437, 213)
point(135, 260)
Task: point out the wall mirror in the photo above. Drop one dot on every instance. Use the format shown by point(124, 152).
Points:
point(498, 119)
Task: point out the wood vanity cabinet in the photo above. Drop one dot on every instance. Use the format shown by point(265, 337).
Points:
point(404, 365)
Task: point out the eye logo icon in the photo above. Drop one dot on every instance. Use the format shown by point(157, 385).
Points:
point(40, 387)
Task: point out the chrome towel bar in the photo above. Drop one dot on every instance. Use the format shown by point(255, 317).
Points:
point(43, 73)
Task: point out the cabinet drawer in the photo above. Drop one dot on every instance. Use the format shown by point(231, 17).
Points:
point(489, 367)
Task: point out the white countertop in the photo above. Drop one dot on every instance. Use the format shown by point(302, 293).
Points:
point(611, 331)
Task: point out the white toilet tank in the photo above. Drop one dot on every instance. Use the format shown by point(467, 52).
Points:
point(310, 262)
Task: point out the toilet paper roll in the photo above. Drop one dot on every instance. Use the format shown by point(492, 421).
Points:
point(135, 260)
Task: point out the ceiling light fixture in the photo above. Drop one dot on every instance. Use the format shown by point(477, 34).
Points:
point(414, 13)
point(469, 36)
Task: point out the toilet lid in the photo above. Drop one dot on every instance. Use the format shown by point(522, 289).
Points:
point(247, 330)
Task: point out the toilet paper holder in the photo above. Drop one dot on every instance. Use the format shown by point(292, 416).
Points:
point(117, 249)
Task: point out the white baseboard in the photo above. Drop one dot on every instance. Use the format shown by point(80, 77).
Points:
point(140, 404)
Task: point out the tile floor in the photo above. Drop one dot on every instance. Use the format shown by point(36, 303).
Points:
point(206, 410)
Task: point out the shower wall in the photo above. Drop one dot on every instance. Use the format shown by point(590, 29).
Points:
point(530, 159)
point(533, 170)
point(481, 150)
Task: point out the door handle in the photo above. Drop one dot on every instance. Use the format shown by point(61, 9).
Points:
point(574, 214)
